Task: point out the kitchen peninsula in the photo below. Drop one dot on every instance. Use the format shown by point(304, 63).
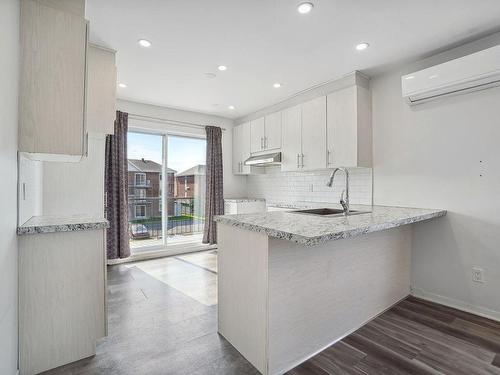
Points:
point(291, 284)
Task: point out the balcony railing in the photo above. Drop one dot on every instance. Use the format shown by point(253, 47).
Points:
point(185, 217)
point(141, 184)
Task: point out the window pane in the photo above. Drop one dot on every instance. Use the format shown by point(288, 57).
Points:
point(186, 189)
point(145, 155)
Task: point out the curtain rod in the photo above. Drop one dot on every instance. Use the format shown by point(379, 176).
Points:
point(166, 121)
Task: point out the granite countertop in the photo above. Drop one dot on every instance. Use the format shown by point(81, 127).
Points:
point(53, 223)
point(239, 200)
point(311, 230)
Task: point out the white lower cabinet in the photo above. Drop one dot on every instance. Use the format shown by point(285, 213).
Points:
point(62, 284)
point(237, 206)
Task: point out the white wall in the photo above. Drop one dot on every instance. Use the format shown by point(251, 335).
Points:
point(234, 186)
point(30, 188)
point(76, 188)
point(9, 60)
point(444, 154)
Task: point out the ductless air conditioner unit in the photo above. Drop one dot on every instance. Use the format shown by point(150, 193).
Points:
point(473, 72)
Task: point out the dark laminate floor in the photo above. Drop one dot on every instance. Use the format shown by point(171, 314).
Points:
point(159, 325)
point(414, 337)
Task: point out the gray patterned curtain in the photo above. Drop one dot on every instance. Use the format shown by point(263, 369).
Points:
point(116, 187)
point(214, 201)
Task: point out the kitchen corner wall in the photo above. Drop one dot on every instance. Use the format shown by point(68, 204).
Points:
point(9, 71)
point(444, 154)
point(291, 187)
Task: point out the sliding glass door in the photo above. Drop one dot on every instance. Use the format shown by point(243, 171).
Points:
point(166, 177)
point(186, 158)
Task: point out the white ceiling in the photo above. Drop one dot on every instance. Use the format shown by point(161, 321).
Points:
point(267, 41)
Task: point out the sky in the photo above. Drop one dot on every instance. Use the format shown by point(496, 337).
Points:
point(183, 152)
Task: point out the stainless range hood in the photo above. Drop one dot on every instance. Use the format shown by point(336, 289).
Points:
point(264, 160)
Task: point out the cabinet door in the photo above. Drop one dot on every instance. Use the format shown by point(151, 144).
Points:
point(291, 145)
point(245, 147)
point(101, 95)
point(342, 128)
point(314, 134)
point(236, 150)
point(257, 134)
point(52, 80)
point(272, 138)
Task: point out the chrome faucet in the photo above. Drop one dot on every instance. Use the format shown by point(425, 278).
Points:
point(344, 203)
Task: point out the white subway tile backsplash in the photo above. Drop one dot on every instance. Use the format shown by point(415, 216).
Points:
point(289, 187)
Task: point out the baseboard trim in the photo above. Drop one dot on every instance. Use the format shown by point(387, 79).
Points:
point(456, 304)
point(288, 368)
point(162, 253)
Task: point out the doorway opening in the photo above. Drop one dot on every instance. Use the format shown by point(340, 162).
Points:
point(166, 198)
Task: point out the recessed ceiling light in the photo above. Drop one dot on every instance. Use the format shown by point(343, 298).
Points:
point(305, 8)
point(144, 43)
point(222, 68)
point(122, 85)
point(277, 85)
point(231, 107)
point(362, 46)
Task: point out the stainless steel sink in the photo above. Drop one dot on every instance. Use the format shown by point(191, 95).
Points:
point(327, 212)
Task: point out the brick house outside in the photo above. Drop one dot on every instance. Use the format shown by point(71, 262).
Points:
point(145, 188)
point(191, 184)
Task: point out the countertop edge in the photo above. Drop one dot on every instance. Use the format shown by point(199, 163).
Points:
point(317, 240)
point(63, 227)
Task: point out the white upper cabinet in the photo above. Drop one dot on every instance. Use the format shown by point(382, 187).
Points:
point(241, 148)
point(325, 132)
point(304, 136)
point(265, 133)
point(273, 131)
point(349, 131)
point(291, 149)
point(236, 150)
point(52, 102)
point(313, 154)
point(257, 135)
point(101, 95)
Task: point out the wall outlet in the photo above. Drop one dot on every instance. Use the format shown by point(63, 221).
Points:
point(478, 275)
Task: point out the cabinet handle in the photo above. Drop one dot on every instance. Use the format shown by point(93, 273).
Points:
point(265, 142)
point(328, 152)
point(298, 160)
point(302, 160)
